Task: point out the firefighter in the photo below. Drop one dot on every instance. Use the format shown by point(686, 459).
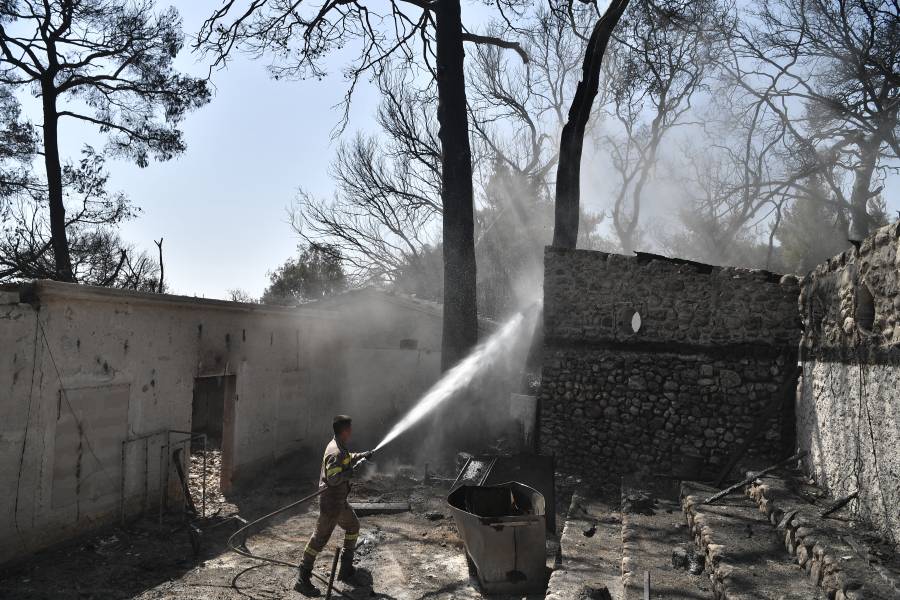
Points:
point(334, 509)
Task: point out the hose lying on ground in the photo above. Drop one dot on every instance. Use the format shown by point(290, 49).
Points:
point(241, 533)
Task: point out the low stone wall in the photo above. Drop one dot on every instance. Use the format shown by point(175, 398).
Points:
point(820, 546)
point(848, 411)
point(663, 364)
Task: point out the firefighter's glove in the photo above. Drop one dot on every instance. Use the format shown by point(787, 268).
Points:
point(361, 456)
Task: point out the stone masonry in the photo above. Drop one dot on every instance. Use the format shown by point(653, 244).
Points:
point(664, 364)
point(848, 411)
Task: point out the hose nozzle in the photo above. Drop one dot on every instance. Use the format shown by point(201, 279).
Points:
point(361, 457)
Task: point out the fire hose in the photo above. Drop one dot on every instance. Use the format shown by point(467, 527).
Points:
point(241, 533)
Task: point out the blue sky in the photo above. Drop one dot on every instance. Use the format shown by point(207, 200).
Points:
point(221, 206)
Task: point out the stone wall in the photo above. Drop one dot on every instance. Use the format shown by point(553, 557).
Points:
point(848, 411)
point(664, 364)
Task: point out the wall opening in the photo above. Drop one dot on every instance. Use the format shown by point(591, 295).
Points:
point(212, 411)
point(865, 309)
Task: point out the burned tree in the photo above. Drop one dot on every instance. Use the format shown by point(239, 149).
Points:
point(387, 200)
point(303, 37)
point(460, 327)
point(103, 62)
point(97, 253)
point(18, 147)
point(571, 144)
point(386, 207)
point(653, 73)
point(823, 74)
point(517, 114)
point(800, 101)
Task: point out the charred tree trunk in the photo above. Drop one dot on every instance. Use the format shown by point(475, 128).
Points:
point(58, 238)
point(162, 267)
point(860, 221)
point(571, 144)
point(460, 331)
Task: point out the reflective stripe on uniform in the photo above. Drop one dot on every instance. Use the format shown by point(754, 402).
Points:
point(311, 551)
point(351, 536)
point(347, 460)
point(333, 471)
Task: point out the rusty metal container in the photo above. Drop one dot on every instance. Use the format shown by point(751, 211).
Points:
point(503, 529)
point(534, 470)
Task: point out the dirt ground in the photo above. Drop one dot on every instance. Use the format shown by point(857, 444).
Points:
point(412, 555)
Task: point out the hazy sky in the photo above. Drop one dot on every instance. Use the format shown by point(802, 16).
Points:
point(222, 206)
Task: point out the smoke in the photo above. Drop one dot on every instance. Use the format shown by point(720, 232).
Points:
point(500, 350)
point(384, 369)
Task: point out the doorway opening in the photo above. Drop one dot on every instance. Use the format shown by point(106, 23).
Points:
point(212, 424)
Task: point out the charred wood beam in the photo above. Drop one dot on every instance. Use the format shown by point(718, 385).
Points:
point(752, 477)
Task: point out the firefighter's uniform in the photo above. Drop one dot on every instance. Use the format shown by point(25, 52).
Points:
point(334, 509)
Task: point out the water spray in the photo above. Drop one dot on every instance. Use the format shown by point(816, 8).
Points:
point(480, 359)
point(465, 371)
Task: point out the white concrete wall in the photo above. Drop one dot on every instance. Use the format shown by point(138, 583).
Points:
point(90, 368)
point(393, 358)
point(82, 369)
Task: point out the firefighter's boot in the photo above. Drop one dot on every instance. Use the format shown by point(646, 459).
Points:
point(304, 583)
point(347, 572)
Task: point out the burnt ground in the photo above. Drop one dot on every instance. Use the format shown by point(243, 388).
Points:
point(408, 556)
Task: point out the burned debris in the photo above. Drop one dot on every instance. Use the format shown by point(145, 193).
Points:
point(668, 459)
point(594, 419)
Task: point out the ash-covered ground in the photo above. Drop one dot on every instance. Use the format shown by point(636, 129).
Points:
point(411, 555)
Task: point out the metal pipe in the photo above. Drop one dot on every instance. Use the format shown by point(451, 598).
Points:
point(334, 563)
point(181, 432)
point(122, 485)
point(180, 448)
point(191, 436)
point(162, 486)
point(145, 498)
point(203, 483)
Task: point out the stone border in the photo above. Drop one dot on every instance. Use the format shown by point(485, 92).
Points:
point(829, 561)
point(628, 539)
point(586, 563)
point(719, 571)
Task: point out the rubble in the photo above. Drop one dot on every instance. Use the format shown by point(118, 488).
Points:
point(844, 557)
point(742, 567)
point(407, 554)
point(216, 502)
